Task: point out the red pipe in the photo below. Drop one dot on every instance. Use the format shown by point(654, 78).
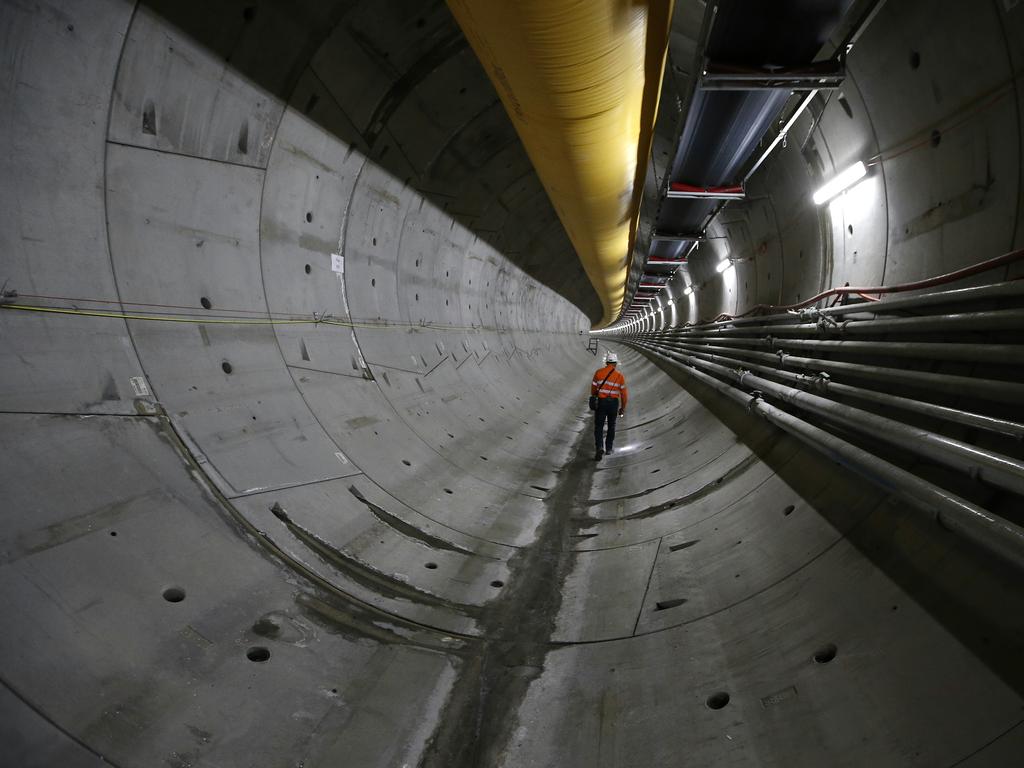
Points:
point(931, 282)
point(735, 189)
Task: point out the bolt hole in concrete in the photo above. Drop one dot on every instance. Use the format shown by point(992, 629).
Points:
point(407, 463)
point(497, 584)
point(664, 605)
point(717, 700)
point(308, 269)
point(684, 545)
point(309, 217)
point(205, 302)
point(484, 458)
point(430, 566)
point(257, 653)
point(915, 59)
point(449, 491)
point(936, 137)
point(174, 594)
point(849, 228)
point(226, 367)
point(825, 654)
point(113, 533)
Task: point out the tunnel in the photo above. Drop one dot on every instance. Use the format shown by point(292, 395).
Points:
point(297, 341)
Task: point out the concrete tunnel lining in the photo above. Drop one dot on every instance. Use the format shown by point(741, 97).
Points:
point(576, 614)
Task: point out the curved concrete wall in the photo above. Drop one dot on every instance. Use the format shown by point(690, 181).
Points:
point(378, 539)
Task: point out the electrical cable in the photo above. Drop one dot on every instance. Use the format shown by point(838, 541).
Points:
point(931, 282)
point(204, 320)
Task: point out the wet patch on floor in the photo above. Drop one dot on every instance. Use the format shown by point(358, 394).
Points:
point(481, 713)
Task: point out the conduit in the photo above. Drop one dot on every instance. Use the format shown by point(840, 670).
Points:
point(821, 383)
point(999, 261)
point(998, 470)
point(580, 80)
point(958, 515)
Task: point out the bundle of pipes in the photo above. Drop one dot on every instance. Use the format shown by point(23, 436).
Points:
point(922, 414)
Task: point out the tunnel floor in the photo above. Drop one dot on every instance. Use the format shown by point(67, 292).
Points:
point(643, 620)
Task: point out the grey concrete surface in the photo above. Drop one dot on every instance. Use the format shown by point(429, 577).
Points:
point(377, 537)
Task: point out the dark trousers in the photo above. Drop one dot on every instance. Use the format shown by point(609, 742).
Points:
point(607, 408)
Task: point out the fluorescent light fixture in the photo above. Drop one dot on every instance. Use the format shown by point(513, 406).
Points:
point(688, 291)
point(671, 303)
point(723, 265)
point(840, 183)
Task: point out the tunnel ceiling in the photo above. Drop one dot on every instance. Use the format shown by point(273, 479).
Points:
point(709, 132)
point(399, 82)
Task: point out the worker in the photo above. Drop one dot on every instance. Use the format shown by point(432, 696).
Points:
point(609, 389)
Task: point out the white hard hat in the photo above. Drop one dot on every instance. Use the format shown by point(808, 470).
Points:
point(611, 357)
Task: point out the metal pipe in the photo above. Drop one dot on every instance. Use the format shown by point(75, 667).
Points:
point(946, 383)
point(1000, 319)
point(918, 285)
point(827, 386)
point(993, 468)
point(957, 515)
point(1009, 289)
point(999, 354)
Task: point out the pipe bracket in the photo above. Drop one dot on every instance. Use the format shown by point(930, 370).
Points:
point(755, 397)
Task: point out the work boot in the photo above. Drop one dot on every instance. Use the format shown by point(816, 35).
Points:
point(609, 451)
point(598, 455)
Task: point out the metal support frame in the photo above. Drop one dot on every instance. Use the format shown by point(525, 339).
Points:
point(782, 134)
point(704, 194)
point(822, 75)
point(674, 237)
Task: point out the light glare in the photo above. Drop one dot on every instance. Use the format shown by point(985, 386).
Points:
point(844, 180)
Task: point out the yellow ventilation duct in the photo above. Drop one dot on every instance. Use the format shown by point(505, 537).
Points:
point(580, 80)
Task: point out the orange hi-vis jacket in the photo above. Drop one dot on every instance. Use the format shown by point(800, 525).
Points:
point(615, 386)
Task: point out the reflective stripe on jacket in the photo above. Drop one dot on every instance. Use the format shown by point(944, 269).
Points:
point(615, 386)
